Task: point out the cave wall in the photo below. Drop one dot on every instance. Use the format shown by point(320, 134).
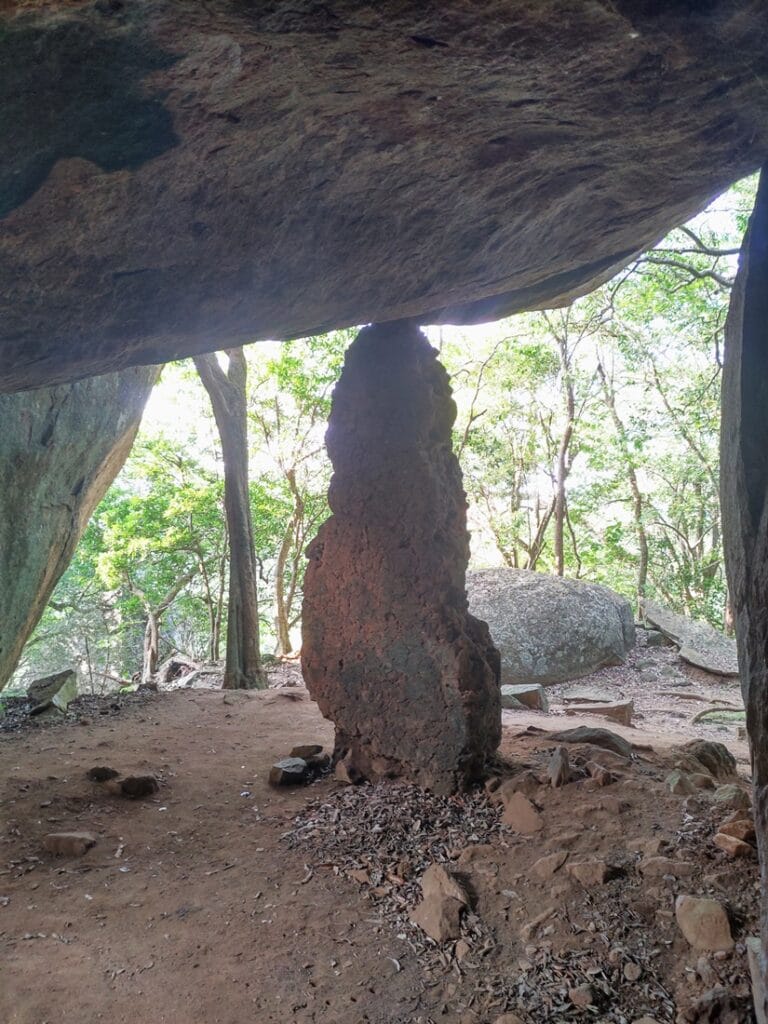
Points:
point(60, 449)
point(185, 175)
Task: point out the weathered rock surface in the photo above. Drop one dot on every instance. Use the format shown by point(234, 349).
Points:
point(216, 173)
point(712, 756)
point(521, 815)
point(549, 629)
point(60, 449)
point(68, 844)
point(389, 649)
point(700, 644)
point(529, 695)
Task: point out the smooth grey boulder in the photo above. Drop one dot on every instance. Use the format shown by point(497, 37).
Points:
point(549, 629)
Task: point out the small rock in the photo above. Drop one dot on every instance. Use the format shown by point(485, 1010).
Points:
point(291, 771)
point(545, 867)
point(732, 846)
point(559, 770)
point(443, 899)
point(613, 805)
point(632, 971)
point(715, 757)
point(526, 782)
point(521, 815)
point(701, 781)
point(69, 844)
point(478, 851)
point(704, 923)
point(133, 786)
point(600, 774)
point(306, 750)
point(647, 847)
point(619, 711)
point(679, 784)
point(101, 774)
point(462, 950)
point(581, 996)
point(59, 689)
point(343, 772)
point(706, 972)
point(591, 872)
point(658, 867)
point(733, 796)
point(597, 737)
point(742, 828)
point(531, 695)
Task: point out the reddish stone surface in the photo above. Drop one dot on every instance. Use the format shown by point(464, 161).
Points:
point(389, 649)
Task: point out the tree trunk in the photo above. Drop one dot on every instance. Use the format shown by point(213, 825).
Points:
point(634, 486)
point(151, 649)
point(744, 498)
point(563, 465)
point(228, 398)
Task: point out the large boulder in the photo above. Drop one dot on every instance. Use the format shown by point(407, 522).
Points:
point(60, 449)
point(700, 644)
point(187, 175)
point(549, 629)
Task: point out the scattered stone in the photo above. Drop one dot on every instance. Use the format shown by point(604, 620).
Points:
point(754, 956)
point(600, 774)
point(443, 899)
point(732, 796)
point(732, 846)
point(632, 971)
point(715, 757)
point(101, 774)
point(614, 805)
point(701, 781)
point(530, 694)
point(59, 689)
point(545, 867)
point(704, 923)
point(652, 637)
point(133, 787)
point(619, 711)
point(559, 770)
point(291, 771)
point(305, 751)
point(510, 703)
point(658, 867)
point(743, 829)
point(679, 783)
point(346, 773)
point(648, 847)
point(521, 815)
point(575, 695)
point(69, 844)
point(526, 782)
point(581, 996)
point(591, 872)
point(597, 737)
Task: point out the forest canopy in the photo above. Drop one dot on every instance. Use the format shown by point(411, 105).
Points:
point(588, 439)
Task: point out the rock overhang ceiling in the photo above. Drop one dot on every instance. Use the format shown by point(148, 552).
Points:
point(183, 176)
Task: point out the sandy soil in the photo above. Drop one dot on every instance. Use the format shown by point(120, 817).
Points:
point(202, 904)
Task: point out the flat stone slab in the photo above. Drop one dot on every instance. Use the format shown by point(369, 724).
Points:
point(617, 711)
point(579, 695)
point(700, 644)
point(530, 694)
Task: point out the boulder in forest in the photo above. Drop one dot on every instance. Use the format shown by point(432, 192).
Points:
point(550, 629)
point(700, 644)
point(59, 689)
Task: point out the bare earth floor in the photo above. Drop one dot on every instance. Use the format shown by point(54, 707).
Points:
point(210, 903)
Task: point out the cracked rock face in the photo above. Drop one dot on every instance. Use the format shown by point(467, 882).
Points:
point(185, 175)
point(60, 449)
point(389, 649)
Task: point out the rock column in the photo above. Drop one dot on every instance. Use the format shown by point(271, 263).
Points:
point(744, 500)
point(389, 649)
point(60, 449)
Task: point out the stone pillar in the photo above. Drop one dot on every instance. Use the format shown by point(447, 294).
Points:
point(389, 649)
point(744, 500)
point(60, 449)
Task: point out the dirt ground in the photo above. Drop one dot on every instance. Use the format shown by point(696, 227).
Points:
point(221, 900)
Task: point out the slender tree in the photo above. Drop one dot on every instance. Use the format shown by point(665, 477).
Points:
point(227, 392)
